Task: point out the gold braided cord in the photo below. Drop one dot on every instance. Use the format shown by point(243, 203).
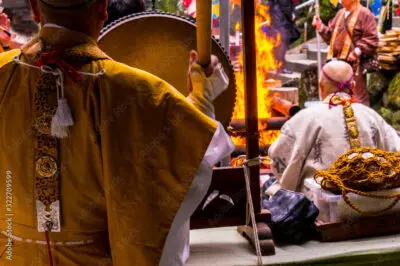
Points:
point(361, 169)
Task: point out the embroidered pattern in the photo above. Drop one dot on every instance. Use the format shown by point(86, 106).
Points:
point(286, 131)
point(47, 173)
point(47, 183)
point(374, 132)
point(318, 151)
point(279, 164)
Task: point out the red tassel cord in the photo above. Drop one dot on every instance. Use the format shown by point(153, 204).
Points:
point(49, 227)
point(54, 58)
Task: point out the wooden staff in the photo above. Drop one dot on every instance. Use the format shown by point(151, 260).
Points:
point(250, 82)
point(250, 86)
point(203, 20)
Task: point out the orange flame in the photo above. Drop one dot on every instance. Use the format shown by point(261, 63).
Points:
point(265, 62)
point(237, 26)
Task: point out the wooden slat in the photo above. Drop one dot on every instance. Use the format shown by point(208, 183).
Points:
point(358, 228)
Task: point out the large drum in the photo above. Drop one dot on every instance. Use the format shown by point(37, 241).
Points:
point(160, 43)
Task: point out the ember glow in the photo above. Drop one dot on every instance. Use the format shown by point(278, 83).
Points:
point(265, 62)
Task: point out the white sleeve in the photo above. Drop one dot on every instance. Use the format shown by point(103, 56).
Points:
point(289, 153)
point(207, 89)
point(286, 164)
point(176, 248)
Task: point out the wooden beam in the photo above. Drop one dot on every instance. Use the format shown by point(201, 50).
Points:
point(250, 97)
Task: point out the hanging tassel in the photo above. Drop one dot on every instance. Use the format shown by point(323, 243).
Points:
point(62, 120)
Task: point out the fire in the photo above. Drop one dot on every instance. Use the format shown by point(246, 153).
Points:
point(265, 62)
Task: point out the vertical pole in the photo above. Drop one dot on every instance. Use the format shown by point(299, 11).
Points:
point(224, 31)
point(317, 12)
point(250, 87)
point(203, 21)
point(224, 23)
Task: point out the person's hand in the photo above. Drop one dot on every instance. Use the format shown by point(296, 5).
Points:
point(293, 17)
point(209, 70)
point(352, 57)
point(5, 25)
point(317, 23)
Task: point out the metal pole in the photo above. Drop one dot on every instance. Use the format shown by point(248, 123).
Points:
point(250, 86)
point(318, 45)
point(224, 26)
point(224, 31)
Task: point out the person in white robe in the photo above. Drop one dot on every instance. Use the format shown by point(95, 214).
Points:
point(205, 86)
point(315, 137)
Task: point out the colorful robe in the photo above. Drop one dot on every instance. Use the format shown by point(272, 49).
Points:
point(124, 171)
point(365, 36)
point(315, 137)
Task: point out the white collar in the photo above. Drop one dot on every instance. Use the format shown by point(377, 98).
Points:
point(52, 25)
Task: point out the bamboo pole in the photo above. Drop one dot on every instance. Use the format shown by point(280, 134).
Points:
point(203, 20)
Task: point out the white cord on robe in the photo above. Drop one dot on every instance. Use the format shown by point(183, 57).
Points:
point(62, 119)
point(246, 164)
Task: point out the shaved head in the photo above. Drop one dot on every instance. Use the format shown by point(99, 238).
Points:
point(87, 18)
point(332, 74)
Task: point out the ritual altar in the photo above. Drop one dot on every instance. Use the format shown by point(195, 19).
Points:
point(223, 246)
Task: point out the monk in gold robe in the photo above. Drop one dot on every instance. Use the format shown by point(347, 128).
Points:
point(352, 35)
point(96, 155)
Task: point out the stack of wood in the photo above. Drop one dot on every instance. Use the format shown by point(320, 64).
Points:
point(389, 50)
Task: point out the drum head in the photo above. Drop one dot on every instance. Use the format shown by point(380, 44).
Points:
point(160, 43)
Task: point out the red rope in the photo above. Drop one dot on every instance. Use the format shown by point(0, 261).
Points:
point(53, 57)
point(49, 248)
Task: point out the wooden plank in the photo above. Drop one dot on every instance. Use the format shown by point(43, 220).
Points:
point(358, 228)
point(386, 49)
point(388, 39)
point(387, 58)
point(388, 66)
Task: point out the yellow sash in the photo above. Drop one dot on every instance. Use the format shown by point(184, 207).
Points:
point(347, 42)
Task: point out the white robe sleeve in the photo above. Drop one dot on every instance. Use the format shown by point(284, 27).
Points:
point(207, 89)
point(176, 248)
point(289, 153)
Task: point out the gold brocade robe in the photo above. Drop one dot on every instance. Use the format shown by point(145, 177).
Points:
point(125, 168)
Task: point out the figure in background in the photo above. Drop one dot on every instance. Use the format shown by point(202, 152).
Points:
point(127, 157)
point(352, 36)
point(8, 41)
point(121, 8)
point(315, 137)
point(398, 8)
point(283, 17)
point(203, 91)
point(385, 20)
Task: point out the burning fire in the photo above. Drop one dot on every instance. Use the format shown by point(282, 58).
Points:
point(265, 62)
point(237, 26)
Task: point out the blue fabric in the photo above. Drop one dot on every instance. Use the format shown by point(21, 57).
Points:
point(376, 6)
